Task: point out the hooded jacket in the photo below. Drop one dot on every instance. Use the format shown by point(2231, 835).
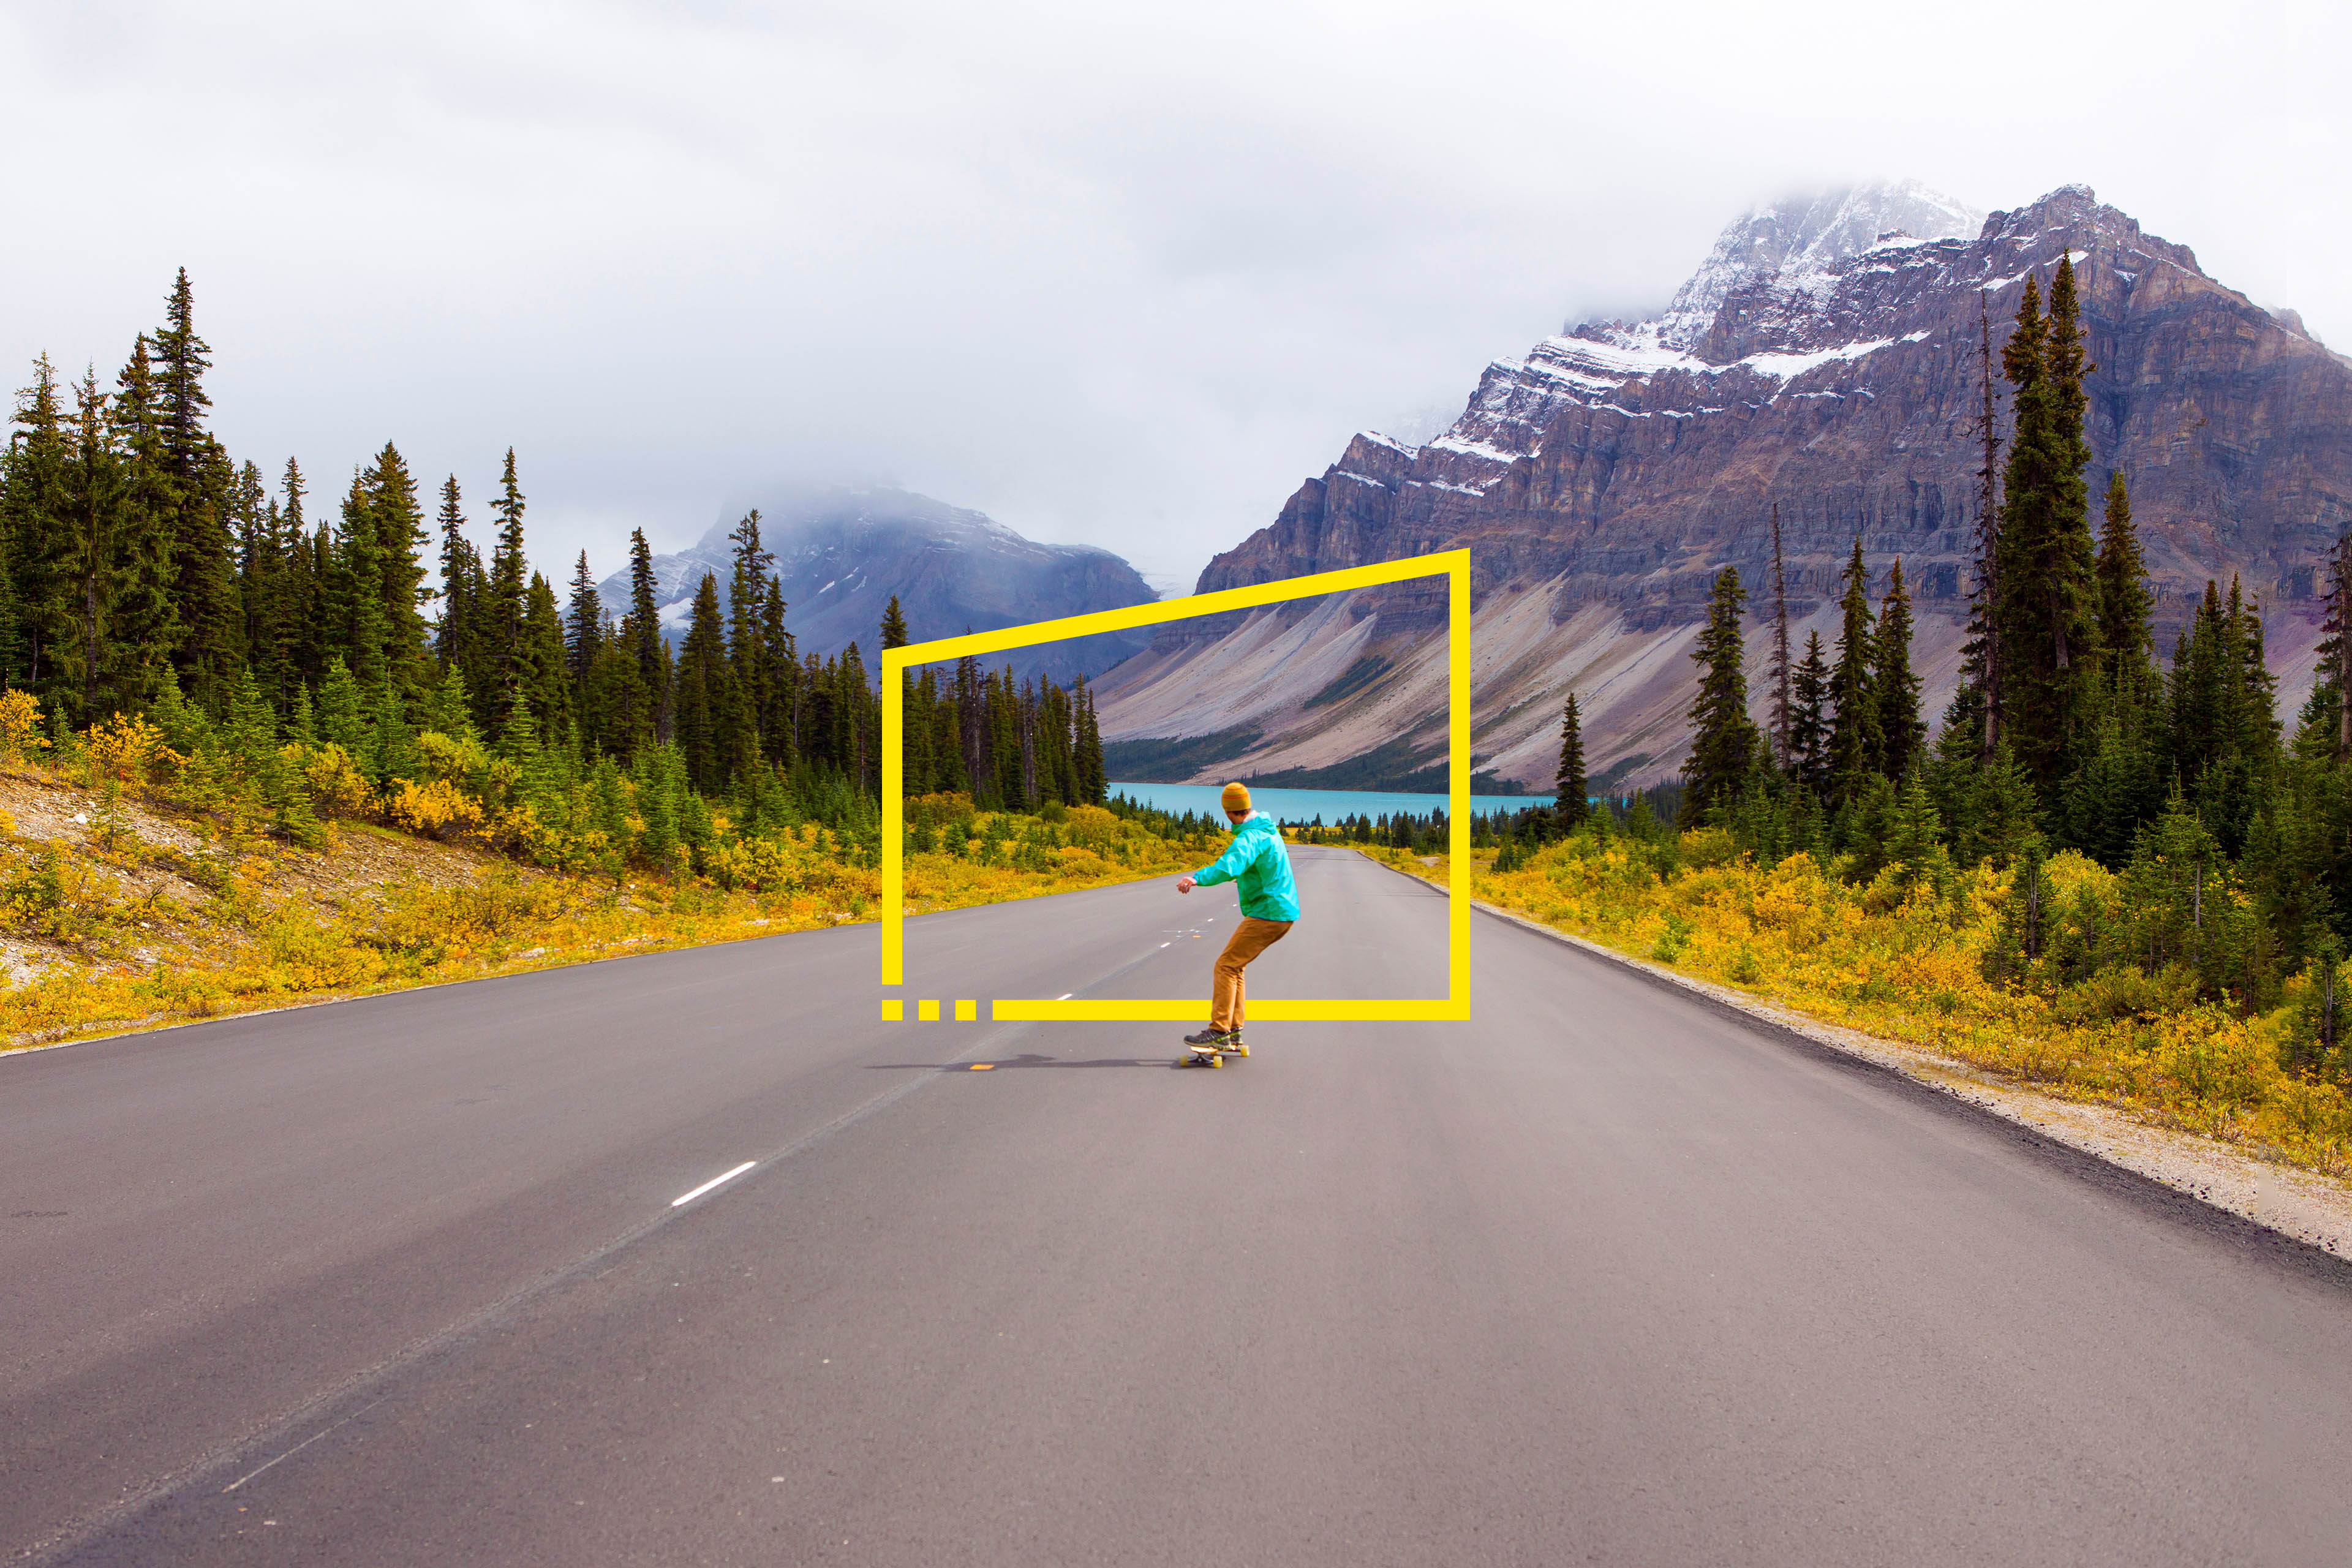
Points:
point(1257, 861)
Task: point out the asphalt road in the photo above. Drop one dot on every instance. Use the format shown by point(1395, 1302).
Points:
point(1605, 1276)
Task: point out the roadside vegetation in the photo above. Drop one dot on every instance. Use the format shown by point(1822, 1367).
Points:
point(141, 884)
point(253, 749)
point(1932, 955)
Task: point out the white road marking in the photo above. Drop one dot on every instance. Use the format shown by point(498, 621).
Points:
point(298, 1448)
point(715, 1181)
point(1066, 996)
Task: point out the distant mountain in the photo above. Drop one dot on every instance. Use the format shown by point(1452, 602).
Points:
point(842, 553)
point(1825, 358)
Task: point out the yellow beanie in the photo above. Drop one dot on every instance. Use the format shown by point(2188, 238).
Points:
point(1237, 797)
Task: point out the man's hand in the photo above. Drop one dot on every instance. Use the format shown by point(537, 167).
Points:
point(1184, 884)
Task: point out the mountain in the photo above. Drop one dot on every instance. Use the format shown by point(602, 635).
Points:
point(1826, 358)
point(841, 555)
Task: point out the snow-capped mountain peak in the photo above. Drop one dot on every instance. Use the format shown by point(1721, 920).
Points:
point(1800, 239)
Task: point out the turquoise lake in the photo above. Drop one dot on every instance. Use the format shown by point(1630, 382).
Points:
point(1306, 804)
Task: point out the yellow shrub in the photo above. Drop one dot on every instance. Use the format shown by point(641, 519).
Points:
point(338, 788)
point(128, 750)
point(20, 726)
point(436, 809)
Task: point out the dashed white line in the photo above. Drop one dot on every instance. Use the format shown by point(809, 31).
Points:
point(715, 1181)
point(1066, 996)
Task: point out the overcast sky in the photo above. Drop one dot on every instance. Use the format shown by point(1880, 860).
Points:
point(1115, 275)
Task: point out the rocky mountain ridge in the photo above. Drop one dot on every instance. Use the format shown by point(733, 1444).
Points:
point(1822, 359)
point(842, 553)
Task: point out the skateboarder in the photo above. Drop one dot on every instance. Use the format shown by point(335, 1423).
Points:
point(1258, 862)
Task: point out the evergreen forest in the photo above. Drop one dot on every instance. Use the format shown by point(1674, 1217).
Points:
point(2231, 834)
point(302, 645)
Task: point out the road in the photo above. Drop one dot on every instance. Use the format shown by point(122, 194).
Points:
point(1607, 1275)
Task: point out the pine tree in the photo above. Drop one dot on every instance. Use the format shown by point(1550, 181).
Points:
point(1780, 673)
point(1809, 727)
point(400, 541)
point(543, 671)
point(972, 734)
point(508, 583)
point(704, 694)
point(1894, 687)
point(2047, 609)
point(1094, 784)
point(642, 631)
point(262, 583)
point(190, 506)
point(450, 708)
point(1723, 738)
point(752, 668)
point(33, 525)
point(583, 623)
point(2328, 711)
point(894, 626)
point(2126, 630)
point(1569, 803)
point(117, 552)
point(362, 633)
point(454, 637)
point(780, 687)
point(343, 715)
point(306, 584)
point(1978, 702)
point(1857, 747)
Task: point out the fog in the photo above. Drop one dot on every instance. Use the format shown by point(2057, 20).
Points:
point(1115, 276)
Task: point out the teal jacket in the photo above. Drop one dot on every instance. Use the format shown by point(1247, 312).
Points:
point(1256, 859)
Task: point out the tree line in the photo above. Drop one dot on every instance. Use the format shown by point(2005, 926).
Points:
point(141, 568)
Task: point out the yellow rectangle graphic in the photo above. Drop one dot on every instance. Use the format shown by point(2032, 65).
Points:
point(1454, 565)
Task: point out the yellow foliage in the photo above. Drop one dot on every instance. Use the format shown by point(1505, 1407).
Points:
point(435, 809)
point(338, 788)
point(128, 750)
point(20, 726)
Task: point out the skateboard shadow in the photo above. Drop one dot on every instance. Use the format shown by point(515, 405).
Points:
point(1028, 1059)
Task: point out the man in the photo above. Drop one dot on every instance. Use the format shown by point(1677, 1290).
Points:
point(1258, 862)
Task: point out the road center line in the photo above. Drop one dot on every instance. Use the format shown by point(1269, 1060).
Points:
point(715, 1181)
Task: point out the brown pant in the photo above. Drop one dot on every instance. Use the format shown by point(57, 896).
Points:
point(1252, 937)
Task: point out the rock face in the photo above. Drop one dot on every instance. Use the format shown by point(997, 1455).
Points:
point(843, 553)
point(1823, 360)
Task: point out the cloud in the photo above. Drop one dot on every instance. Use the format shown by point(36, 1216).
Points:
point(1113, 275)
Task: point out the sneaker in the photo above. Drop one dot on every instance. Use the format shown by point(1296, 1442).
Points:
point(1212, 1035)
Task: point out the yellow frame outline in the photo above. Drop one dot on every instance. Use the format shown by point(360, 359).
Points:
point(1454, 1006)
